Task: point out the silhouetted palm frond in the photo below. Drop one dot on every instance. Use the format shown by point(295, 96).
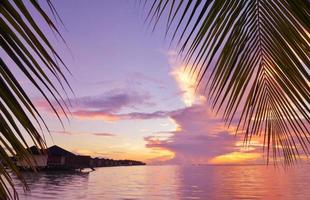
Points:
point(24, 44)
point(253, 57)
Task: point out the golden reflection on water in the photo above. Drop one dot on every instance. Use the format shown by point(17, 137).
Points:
point(172, 182)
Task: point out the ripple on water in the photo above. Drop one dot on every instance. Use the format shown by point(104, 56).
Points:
point(171, 182)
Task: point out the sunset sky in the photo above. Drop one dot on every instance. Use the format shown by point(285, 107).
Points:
point(132, 97)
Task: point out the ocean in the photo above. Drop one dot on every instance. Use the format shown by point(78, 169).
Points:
point(171, 182)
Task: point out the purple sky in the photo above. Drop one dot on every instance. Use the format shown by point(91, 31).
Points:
point(132, 98)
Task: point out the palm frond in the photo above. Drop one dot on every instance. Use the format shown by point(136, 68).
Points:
point(23, 41)
point(261, 73)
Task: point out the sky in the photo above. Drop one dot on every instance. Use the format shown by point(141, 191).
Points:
point(132, 97)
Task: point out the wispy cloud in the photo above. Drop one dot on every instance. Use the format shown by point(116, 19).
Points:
point(108, 116)
point(113, 101)
point(143, 77)
point(110, 106)
point(102, 134)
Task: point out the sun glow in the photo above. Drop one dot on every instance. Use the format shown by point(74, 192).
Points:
point(187, 84)
point(235, 158)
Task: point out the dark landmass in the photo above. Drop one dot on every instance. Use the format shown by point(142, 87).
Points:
point(57, 158)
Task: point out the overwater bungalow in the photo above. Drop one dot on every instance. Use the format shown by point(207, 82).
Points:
point(39, 159)
point(97, 162)
point(83, 162)
point(57, 158)
point(54, 158)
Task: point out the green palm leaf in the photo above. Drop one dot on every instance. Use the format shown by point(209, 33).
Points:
point(261, 76)
point(25, 44)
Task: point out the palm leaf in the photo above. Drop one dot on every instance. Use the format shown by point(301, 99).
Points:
point(22, 41)
point(261, 73)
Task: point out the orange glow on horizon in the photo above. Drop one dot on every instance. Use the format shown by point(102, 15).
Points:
point(235, 158)
point(153, 156)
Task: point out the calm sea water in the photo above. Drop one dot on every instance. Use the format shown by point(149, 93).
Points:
point(172, 182)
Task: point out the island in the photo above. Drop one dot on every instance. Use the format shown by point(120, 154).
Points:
point(57, 158)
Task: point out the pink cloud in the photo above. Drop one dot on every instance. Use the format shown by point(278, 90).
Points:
point(108, 116)
point(112, 101)
point(201, 137)
point(109, 107)
point(102, 134)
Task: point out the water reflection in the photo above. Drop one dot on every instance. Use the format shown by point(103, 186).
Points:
point(244, 182)
point(171, 182)
point(51, 185)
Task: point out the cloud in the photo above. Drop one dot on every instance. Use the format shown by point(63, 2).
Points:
point(61, 132)
point(108, 116)
point(202, 138)
point(110, 106)
point(102, 134)
point(143, 77)
point(187, 84)
point(112, 101)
